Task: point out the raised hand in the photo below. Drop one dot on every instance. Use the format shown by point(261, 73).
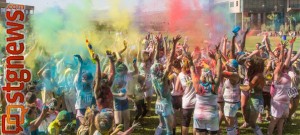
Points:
point(225, 38)
point(158, 38)
point(96, 57)
point(211, 54)
point(147, 36)
point(176, 39)
point(284, 44)
point(247, 31)
point(108, 53)
point(188, 55)
point(45, 111)
point(217, 55)
point(166, 38)
point(218, 46)
point(79, 58)
point(125, 43)
point(292, 40)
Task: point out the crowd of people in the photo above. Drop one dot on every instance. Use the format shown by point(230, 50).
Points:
point(205, 87)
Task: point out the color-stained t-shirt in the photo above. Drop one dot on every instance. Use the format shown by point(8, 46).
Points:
point(84, 98)
point(54, 128)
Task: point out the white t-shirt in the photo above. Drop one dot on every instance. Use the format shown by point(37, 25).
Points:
point(138, 93)
point(45, 123)
point(175, 92)
point(189, 94)
point(84, 98)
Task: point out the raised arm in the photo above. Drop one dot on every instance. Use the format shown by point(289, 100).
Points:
point(225, 39)
point(97, 87)
point(156, 47)
point(165, 44)
point(253, 53)
point(79, 72)
point(125, 47)
point(42, 69)
point(244, 40)
point(112, 68)
point(238, 47)
point(232, 50)
point(37, 122)
point(289, 55)
point(218, 72)
point(279, 65)
point(170, 60)
point(195, 77)
point(136, 69)
point(268, 46)
point(31, 51)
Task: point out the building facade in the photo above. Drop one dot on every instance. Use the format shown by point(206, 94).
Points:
point(254, 13)
point(29, 10)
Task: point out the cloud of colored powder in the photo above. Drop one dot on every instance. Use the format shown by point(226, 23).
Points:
point(62, 31)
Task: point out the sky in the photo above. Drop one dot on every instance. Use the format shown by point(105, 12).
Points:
point(41, 5)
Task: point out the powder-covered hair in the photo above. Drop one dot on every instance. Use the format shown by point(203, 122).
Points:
point(257, 65)
point(104, 122)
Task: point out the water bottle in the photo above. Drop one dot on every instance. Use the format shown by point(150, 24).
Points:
point(284, 37)
point(236, 30)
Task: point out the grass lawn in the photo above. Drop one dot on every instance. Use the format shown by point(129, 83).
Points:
point(252, 40)
point(150, 123)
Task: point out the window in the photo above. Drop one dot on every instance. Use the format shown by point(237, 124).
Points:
point(3, 10)
point(231, 4)
point(237, 3)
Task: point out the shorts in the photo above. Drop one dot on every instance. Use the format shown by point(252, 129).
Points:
point(209, 125)
point(267, 99)
point(255, 102)
point(186, 117)
point(70, 102)
point(279, 109)
point(230, 109)
point(177, 102)
point(245, 93)
point(167, 109)
point(120, 105)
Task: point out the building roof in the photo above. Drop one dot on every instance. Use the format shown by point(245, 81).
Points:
point(4, 5)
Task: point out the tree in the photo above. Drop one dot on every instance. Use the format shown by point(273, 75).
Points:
point(273, 18)
point(282, 28)
point(291, 19)
point(263, 27)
